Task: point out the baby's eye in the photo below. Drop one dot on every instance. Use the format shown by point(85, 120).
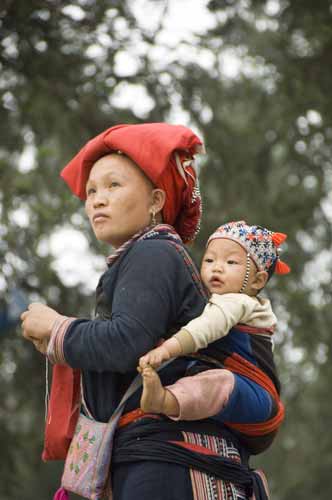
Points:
point(90, 191)
point(231, 261)
point(208, 259)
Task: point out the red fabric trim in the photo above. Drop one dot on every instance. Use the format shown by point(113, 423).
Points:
point(254, 330)
point(134, 415)
point(195, 447)
point(240, 365)
point(261, 428)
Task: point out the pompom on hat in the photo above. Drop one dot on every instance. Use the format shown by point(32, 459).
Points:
point(165, 153)
point(261, 244)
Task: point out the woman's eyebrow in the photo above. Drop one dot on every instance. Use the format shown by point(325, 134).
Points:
point(117, 175)
point(106, 177)
point(89, 182)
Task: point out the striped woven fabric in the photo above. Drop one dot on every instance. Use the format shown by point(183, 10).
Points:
point(206, 487)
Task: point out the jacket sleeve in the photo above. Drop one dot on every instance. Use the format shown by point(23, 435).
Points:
point(145, 302)
point(219, 316)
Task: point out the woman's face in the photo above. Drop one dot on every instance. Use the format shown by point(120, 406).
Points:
point(119, 199)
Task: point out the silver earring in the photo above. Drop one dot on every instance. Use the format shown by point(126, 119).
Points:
point(153, 218)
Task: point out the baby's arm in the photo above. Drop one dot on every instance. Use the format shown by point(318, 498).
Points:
point(171, 348)
point(219, 316)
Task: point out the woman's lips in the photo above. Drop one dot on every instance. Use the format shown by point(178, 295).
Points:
point(99, 217)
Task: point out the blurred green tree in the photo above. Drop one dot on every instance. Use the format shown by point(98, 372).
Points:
point(257, 86)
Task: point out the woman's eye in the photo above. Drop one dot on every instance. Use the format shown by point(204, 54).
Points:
point(114, 184)
point(90, 191)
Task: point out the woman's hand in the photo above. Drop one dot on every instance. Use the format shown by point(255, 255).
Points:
point(41, 345)
point(37, 324)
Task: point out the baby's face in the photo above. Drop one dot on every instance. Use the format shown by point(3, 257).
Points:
point(224, 267)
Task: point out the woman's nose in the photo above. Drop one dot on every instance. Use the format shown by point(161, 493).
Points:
point(100, 199)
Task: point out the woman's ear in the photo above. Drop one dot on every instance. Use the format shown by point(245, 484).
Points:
point(260, 280)
point(158, 200)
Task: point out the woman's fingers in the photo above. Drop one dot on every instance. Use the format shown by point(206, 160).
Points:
point(25, 332)
point(40, 345)
point(36, 343)
point(38, 321)
point(24, 315)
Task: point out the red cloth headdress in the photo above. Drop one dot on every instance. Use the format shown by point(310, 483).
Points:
point(165, 153)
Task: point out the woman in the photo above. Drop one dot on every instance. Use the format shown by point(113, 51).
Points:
point(136, 179)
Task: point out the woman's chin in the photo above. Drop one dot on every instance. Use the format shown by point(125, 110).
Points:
point(103, 236)
point(111, 239)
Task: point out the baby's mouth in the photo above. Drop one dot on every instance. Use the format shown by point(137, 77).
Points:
point(216, 281)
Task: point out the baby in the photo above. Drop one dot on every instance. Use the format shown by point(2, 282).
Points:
point(238, 262)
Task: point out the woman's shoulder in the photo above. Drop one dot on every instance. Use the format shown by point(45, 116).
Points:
point(159, 250)
point(172, 261)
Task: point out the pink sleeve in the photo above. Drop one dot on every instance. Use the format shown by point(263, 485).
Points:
point(55, 352)
point(202, 395)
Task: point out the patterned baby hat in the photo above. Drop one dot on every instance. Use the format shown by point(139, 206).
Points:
point(261, 244)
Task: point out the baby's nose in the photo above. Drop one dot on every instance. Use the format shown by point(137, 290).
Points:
point(218, 267)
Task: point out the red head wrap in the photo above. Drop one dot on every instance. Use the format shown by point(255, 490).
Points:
point(164, 153)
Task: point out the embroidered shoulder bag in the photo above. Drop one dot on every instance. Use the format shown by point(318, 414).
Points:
point(88, 461)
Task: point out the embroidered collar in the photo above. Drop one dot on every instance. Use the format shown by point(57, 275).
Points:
point(149, 232)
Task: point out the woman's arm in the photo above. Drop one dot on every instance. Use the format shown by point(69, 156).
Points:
point(149, 292)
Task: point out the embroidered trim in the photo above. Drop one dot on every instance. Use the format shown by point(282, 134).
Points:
point(204, 486)
point(55, 351)
point(191, 268)
point(146, 233)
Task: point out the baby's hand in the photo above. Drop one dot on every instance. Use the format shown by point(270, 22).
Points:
point(154, 358)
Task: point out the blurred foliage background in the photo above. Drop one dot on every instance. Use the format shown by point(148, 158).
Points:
point(254, 78)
